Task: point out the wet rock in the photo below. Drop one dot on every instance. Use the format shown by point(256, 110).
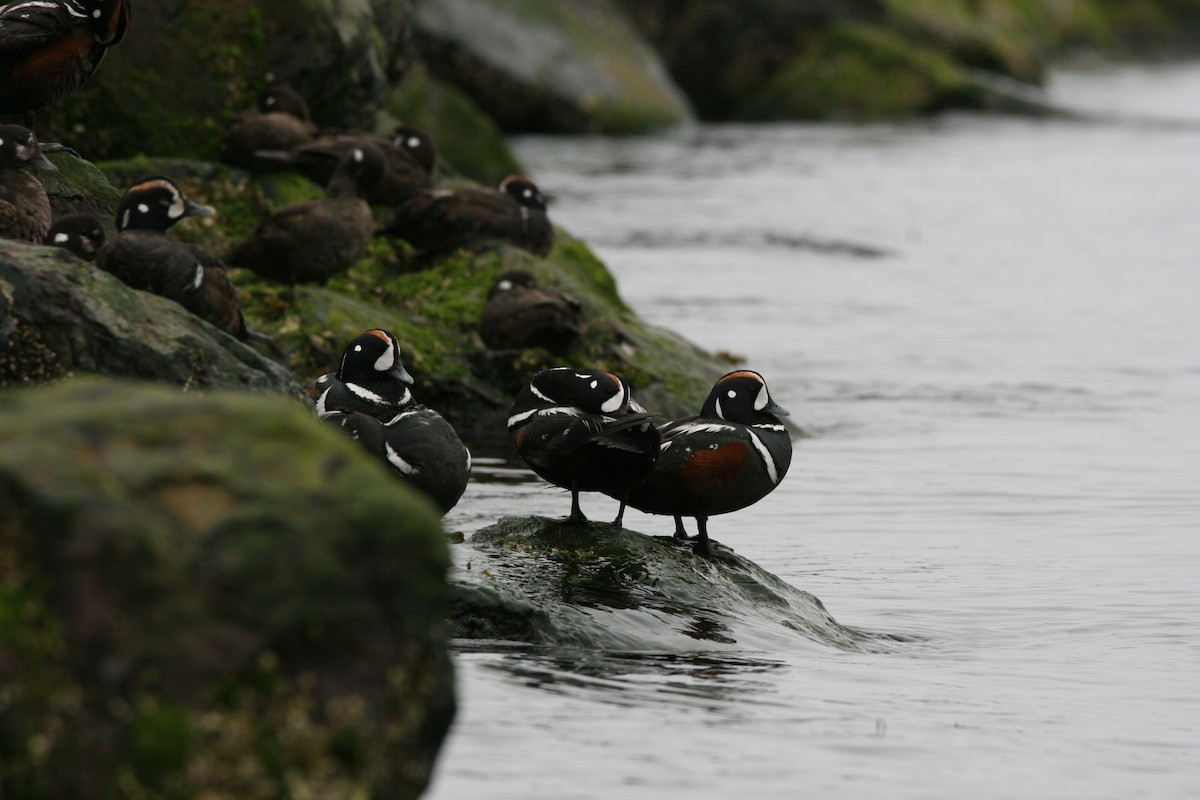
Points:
point(211, 596)
point(342, 55)
point(60, 315)
point(545, 582)
point(536, 65)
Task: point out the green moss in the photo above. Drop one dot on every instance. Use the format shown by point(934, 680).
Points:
point(466, 137)
point(861, 73)
point(160, 742)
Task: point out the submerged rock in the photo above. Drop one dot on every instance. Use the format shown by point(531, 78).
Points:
point(546, 582)
point(212, 596)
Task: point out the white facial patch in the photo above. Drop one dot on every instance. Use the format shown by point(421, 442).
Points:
point(199, 277)
point(412, 142)
point(594, 384)
point(358, 348)
point(387, 360)
point(720, 413)
point(125, 219)
point(177, 207)
point(763, 398)
point(731, 394)
point(504, 286)
point(613, 403)
point(142, 207)
point(358, 155)
point(59, 238)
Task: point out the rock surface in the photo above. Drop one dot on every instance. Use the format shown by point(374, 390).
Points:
point(60, 315)
point(211, 596)
point(545, 582)
point(342, 55)
point(539, 65)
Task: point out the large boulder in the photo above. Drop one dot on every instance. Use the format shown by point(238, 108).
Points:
point(187, 66)
point(211, 596)
point(539, 65)
point(60, 315)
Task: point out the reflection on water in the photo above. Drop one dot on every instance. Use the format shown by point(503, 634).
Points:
point(987, 327)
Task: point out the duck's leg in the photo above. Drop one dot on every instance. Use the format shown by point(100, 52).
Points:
point(577, 516)
point(680, 531)
point(620, 515)
point(702, 544)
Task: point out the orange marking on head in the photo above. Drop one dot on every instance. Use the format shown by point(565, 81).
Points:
point(745, 373)
point(381, 334)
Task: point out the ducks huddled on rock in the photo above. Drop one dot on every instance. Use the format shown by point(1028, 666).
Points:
point(369, 399)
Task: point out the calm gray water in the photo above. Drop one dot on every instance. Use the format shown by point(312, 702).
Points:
point(991, 328)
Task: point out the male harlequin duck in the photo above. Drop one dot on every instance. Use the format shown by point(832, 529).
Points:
point(24, 206)
point(418, 445)
point(730, 456)
point(279, 121)
point(370, 378)
point(49, 47)
point(315, 240)
point(145, 258)
point(369, 398)
point(80, 233)
point(409, 160)
point(520, 313)
point(441, 220)
point(578, 429)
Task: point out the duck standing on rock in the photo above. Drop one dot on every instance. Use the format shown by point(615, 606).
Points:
point(80, 233)
point(519, 313)
point(49, 47)
point(279, 121)
point(370, 400)
point(145, 258)
point(730, 456)
point(24, 206)
point(442, 220)
point(310, 242)
point(579, 429)
point(409, 154)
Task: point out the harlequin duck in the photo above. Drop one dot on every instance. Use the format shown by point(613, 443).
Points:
point(730, 456)
point(315, 240)
point(520, 313)
point(370, 378)
point(409, 160)
point(576, 429)
point(279, 121)
point(442, 220)
point(49, 47)
point(418, 445)
point(145, 258)
point(80, 233)
point(24, 206)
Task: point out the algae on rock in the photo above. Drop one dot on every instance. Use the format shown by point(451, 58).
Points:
point(211, 595)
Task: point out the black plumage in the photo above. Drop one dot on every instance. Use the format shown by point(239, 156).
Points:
point(442, 220)
point(310, 242)
point(145, 258)
point(578, 429)
point(24, 206)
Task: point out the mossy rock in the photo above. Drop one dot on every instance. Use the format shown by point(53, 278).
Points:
point(211, 596)
point(862, 73)
point(548, 582)
point(188, 66)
